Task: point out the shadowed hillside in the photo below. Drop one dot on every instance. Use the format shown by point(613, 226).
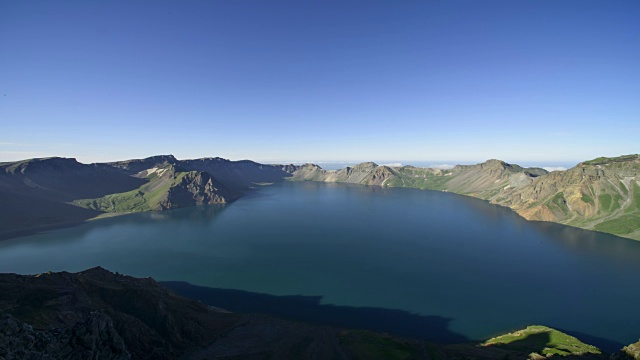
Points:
point(40, 194)
point(96, 314)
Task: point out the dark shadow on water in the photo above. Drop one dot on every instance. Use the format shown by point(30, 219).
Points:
point(196, 216)
point(9, 235)
point(308, 309)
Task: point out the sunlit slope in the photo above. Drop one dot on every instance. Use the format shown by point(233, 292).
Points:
point(166, 188)
point(602, 194)
point(481, 180)
point(542, 341)
point(367, 173)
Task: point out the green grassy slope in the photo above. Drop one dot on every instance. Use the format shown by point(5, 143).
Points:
point(166, 188)
point(601, 194)
point(145, 198)
point(543, 341)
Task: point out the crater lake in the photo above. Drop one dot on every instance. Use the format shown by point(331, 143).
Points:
point(424, 264)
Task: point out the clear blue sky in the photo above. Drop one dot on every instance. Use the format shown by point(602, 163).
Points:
point(269, 80)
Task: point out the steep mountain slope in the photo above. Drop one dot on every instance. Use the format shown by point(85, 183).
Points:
point(366, 174)
point(601, 194)
point(478, 180)
point(37, 194)
point(135, 166)
point(239, 175)
point(96, 314)
point(166, 188)
point(64, 178)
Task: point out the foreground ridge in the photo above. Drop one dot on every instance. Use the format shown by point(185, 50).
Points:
point(98, 314)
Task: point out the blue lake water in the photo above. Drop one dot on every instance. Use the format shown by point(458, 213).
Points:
point(429, 253)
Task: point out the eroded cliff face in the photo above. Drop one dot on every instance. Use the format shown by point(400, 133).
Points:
point(197, 188)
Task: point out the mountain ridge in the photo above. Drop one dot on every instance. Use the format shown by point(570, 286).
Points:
point(38, 194)
point(602, 194)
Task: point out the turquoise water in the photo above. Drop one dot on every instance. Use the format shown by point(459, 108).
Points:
point(425, 252)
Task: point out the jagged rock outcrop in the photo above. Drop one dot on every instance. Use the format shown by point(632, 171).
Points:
point(629, 352)
point(197, 188)
point(94, 338)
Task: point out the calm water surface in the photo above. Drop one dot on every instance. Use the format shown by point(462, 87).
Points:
point(426, 252)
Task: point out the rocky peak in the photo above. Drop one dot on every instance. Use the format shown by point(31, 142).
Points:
point(365, 166)
point(309, 166)
point(57, 164)
point(137, 165)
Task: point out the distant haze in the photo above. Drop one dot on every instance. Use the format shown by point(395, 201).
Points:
point(334, 165)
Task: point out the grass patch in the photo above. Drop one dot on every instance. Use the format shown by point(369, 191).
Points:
point(605, 160)
point(145, 198)
point(623, 225)
point(623, 188)
point(605, 202)
point(560, 203)
point(542, 340)
point(588, 199)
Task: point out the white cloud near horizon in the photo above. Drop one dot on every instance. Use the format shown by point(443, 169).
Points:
point(554, 168)
point(442, 166)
